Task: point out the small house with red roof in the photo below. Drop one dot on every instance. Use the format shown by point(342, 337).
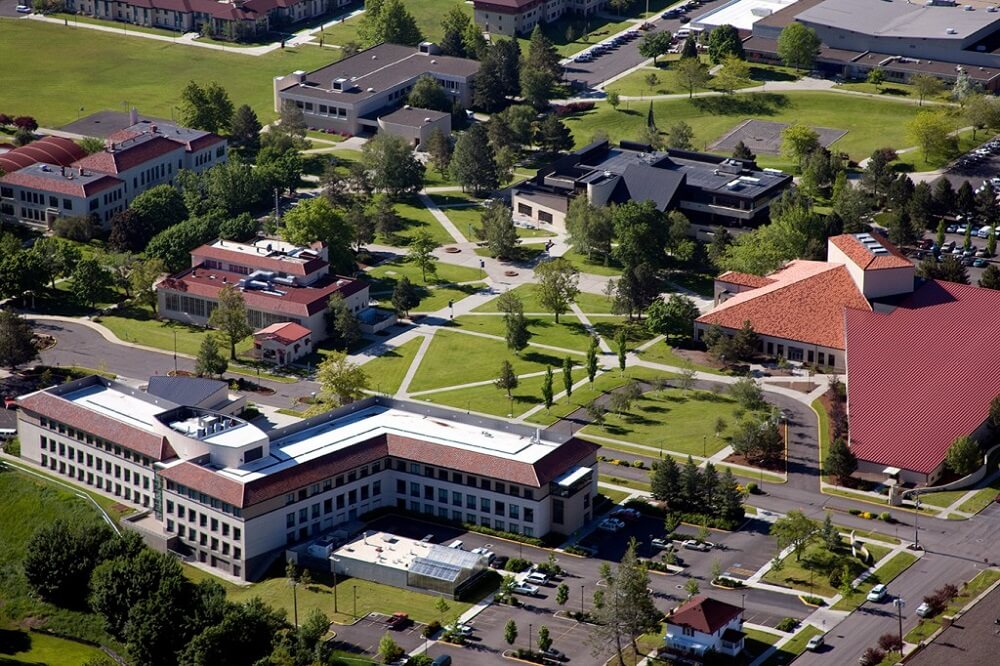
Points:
point(705, 625)
point(282, 343)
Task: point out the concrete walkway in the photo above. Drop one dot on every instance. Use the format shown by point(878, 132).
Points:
point(442, 218)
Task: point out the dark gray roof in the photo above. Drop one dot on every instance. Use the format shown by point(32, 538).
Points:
point(413, 117)
point(642, 182)
point(187, 391)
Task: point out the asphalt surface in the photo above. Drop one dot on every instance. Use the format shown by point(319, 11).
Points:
point(627, 55)
point(977, 243)
point(972, 639)
point(976, 174)
point(8, 8)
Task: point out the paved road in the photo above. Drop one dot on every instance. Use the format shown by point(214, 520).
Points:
point(8, 8)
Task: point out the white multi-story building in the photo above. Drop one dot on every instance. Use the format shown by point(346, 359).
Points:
point(225, 494)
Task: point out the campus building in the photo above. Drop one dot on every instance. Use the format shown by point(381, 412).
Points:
point(225, 494)
point(519, 17)
point(134, 159)
point(229, 19)
point(351, 95)
point(902, 38)
point(280, 283)
point(703, 626)
point(706, 188)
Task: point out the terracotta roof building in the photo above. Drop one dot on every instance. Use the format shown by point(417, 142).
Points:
point(798, 311)
point(704, 625)
point(52, 150)
point(236, 497)
point(279, 282)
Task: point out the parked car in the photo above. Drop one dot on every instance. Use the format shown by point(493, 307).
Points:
point(662, 544)
point(527, 589)
point(398, 620)
point(456, 544)
point(878, 592)
point(625, 514)
point(924, 609)
point(459, 628)
point(442, 660)
point(694, 544)
point(554, 655)
point(610, 525)
point(427, 538)
point(815, 643)
point(485, 552)
point(951, 228)
point(537, 578)
point(23, 9)
point(499, 562)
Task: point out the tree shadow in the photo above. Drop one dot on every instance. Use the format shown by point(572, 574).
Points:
point(12, 642)
point(754, 104)
point(766, 74)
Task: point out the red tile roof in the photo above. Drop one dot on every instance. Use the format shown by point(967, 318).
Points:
point(262, 262)
point(744, 279)
point(141, 441)
point(129, 155)
point(867, 260)
point(204, 479)
point(60, 184)
point(296, 301)
point(804, 302)
point(284, 332)
point(922, 374)
point(50, 150)
point(704, 614)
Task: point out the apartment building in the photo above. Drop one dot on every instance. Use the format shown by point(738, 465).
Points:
point(280, 283)
point(227, 495)
point(351, 95)
point(519, 17)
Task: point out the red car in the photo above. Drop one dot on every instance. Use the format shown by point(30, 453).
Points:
point(398, 621)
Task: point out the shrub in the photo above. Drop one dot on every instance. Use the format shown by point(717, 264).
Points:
point(517, 564)
point(732, 583)
point(813, 601)
point(871, 657)
point(753, 488)
point(885, 517)
point(13, 447)
point(576, 550)
point(854, 512)
point(639, 464)
point(889, 642)
point(432, 629)
point(787, 624)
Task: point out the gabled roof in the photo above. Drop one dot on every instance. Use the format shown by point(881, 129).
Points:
point(804, 302)
point(922, 374)
point(189, 391)
point(744, 279)
point(262, 261)
point(131, 153)
point(704, 614)
point(285, 332)
point(53, 180)
point(642, 182)
point(867, 260)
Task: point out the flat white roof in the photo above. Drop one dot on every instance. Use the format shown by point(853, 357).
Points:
point(120, 406)
point(741, 14)
point(572, 476)
point(331, 436)
point(390, 550)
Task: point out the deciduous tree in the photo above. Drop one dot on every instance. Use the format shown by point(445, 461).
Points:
point(724, 41)
point(557, 286)
point(964, 456)
point(507, 379)
point(794, 529)
point(498, 230)
point(421, 253)
point(392, 166)
point(342, 381)
point(210, 361)
point(798, 45)
point(230, 317)
point(691, 74)
point(655, 44)
point(404, 296)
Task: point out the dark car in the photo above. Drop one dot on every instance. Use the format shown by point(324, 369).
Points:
point(499, 562)
point(398, 621)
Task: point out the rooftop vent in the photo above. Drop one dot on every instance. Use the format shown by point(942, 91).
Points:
point(951, 31)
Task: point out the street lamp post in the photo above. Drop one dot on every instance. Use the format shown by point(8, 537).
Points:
point(916, 526)
point(335, 563)
point(581, 604)
point(704, 446)
point(295, 599)
point(355, 602)
point(175, 348)
point(899, 603)
point(529, 640)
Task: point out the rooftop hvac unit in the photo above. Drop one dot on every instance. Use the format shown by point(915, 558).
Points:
point(951, 31)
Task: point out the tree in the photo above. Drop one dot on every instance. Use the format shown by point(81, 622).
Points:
point(391, 164)
point(342, 323)
point(498, 230)
point(536, 87)
point(664, 481)
point(510, 631)
point(557, 286)
point(949, 270)
point(421, 253)
point(592, 360)
point(342, 381)
point(544, 639)
point(728, 502)
point(879, 174)
point(473, 164)
point(129, 232)
point(990, 278)
point(758, 441)
point(794, 529)
point(747, 392)
point(590, 228)
point(798, 46)
point(655, 44)
point(230, 317)
point(963, 87)
point(901, 229)
point(547, 388)
point(388, 21)
point(830, 535)
point(567, 376)
point(926, 86)
point(680, 135)
point(621, 342)
point(628, 610)
point(389, 650)
point(90, 282)
point(17, 340)
point(59, 558)
point(453, 29)
point(562, 594)
point(206, 107)
point(244, 132)
point(640, 233)
point(507, 379)
point(210, 361)
point(691, 74)
point(674, 317)
point(930, 131)
point(427, 93)
point(145, 274)
point(516, 331)
point(542, 54)
point(876, 77)
point(160, 207)
point(689, 49)
point(404, 296)
point(798, 141)
point(963, 456)
point(439, 149)
point(724, 41)
point(553, 135)
point(742, 152)
point(840, 461)
point(317, 220)
point(734, 73)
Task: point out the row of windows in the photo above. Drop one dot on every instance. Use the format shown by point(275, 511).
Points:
point(190, 305)
point(38, 198)
point(459, 517)
point(95, 463)
point(457, 499)
point(201, 497)
point(203, 520)
point(442, 474)
point(96, 442)
point(204, 539)
point(153, 173)
point(335, 482)
point(109, 197)
point(308, 513)
point(98, 481)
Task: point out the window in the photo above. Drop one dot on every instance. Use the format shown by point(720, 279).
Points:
point(484, 484)
point(514, 511)
point(237, 533)
point(688, 631)
point(484, 504)
point(303, 515)
point(340, 501)
point(364, 493)
point(456, 498)
point(414, 489)
point(315, 510)
point(529, 515)
point(428, 492)
point(558, 511)
point(499, 508)
point(400, 486)
point(443, 495)
point(470, 501)
point(328, 505)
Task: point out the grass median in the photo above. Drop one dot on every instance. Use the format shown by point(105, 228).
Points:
point(969, 591)
point(899, 563)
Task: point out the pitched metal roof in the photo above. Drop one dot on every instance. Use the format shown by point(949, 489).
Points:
point(50, 150)
point(189, 391)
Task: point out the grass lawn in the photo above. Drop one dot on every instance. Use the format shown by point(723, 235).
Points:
point(810, 573)
point(99, 70)
point(391, 271)
point(388, 370)
point(627, 483)
point(76, 18)
point(915, 161)
point(661, 352)
point(427, 13)
point(372, 597)
point(141, 328)
point(528, 293)
point(823, 418)
point(115, 510)
point(683, 422)
point(942, 499)
point(702, 284)
point(615, 496)
point(569, 333)
point(491, 400)
point(586, 394)
point(667, 82)
point(871, 123)
point(481, 359)
point(588, 31)
point(25, 496)
point(45, 649)
point(413, 217)
point(895, 566)
point(982, 499)
point(585, 265)
point(972, 589)
point(793, 648)
point(757, 642)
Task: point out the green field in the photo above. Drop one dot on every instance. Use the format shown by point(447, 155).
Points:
point(427, 13)
point(142, 329)
point(663, 353)
point(42, 649)
point(586, 394)
point(414, 217)
point(871, 123)
point(899, 563)
point(387, 371)
point(395, 269)
point(528, 293)
point(683, 421)
point(488, 399)
point(99, 71)
point(810, 573)
point(569, 333)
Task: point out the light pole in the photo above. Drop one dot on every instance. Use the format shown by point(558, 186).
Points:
point(529, 639)
point(295, 599)
point(704, 446)
point(916, 526)
point(899, 603)
point(335, 563)
point(355, 602)
point(175, 348)
point(581, 604)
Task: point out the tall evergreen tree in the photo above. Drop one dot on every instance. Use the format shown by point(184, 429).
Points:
point(473, 164)
point(665, 481)
point(547, 387)
point(244, 132)
point(568, 376)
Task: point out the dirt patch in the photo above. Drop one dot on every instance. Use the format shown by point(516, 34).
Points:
point(776, 466)
point(698, 357)
point(801, 387)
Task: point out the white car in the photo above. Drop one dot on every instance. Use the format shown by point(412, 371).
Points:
point(662, 544)
point(23, 9)
point(815, 643)
point(459, 628)
point(693, 544)
point(537, 578)
point(878, 592)
point(526, 588)
point(610, 525)
point(924, 609)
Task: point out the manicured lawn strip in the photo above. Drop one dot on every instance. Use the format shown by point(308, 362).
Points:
point(387, 371)
point(794, 647)
point(427, 13)
point(927, 626)
point(47, 649)
point(982, 499)
point(327, 137)
point(569, 333)
point(683, 421)
point(585, 265)
point(488, 399)
point(28, 504)
point(528, 293)
point(823, 420)
point(615, 496)
point(600, 27)
point(372, 597)
point(897, 565)
point(627, 483)
point(667, 82)
point(757, 642)
point(439, 296)
point(480, 361)
point(870, 123)
point(942, 499)
point(663, 353)
point(868, 534)
point(466, 218)
point(393, 270)
point(92, 70)
point(584, 395)
point(413, 217)
point(797, 574)
point(76, 18)
point(702, 284)
point(160, 334)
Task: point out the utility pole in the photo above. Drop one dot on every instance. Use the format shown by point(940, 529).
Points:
point(916, 526)
point(335, 562)
point(277, 206)
point(899, 603)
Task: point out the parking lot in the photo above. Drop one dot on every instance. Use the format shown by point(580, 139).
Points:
point(976, 169)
